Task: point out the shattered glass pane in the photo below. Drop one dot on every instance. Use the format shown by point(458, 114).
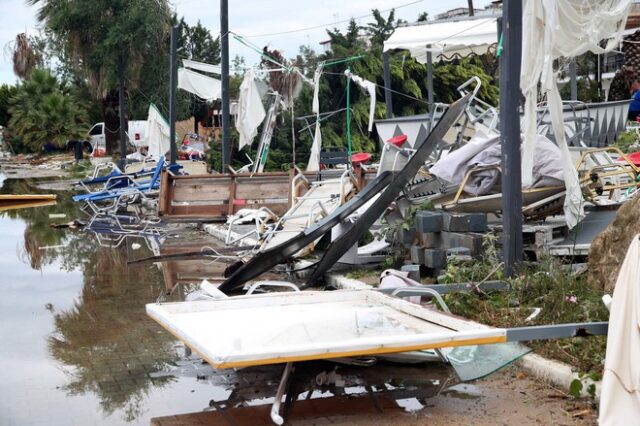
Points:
point(476, 362)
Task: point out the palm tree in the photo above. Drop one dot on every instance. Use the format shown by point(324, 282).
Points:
point(43, 111)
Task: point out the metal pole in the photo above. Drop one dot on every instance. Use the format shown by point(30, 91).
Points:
point(122, 113)
point(471, 11)
point(349, 117)
point(173, 81)
point(387, 84)
point(510, 65)
point(224, 51)
point(430, 78)
point(574, 81)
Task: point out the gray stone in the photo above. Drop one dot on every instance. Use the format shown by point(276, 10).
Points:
point(427, 221)
point(435, 258)
point(464, 222)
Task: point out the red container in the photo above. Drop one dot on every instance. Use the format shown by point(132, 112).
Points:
point(360, 158)
point(398, 140)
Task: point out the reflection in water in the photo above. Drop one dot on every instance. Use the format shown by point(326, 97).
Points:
point(108, 345)
point(107, 337)
point(410, 386)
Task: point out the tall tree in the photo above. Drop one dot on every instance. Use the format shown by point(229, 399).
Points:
point(94, 34)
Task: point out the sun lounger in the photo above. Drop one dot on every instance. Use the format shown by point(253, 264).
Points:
point(134, 188)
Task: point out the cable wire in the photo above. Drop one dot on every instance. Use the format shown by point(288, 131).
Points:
point(315, 27)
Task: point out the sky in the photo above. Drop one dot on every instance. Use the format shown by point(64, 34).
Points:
point(252, 19)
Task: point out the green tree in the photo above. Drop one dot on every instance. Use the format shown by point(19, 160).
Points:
point(44, 111)
point(93, 36)
point(6, 92)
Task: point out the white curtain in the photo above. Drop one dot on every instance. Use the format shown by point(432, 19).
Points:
point(250, 110)
point(562, 29)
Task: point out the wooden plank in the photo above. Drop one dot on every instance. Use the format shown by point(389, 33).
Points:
point(26, 197)
point(213, 197)
point(163, 197)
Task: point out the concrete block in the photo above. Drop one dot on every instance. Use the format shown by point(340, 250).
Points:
point(407, 236)
point(430, 239)
point(435, 258)
point(427, 221)
point(413, 270)
point(417, 255)
point(458, 251)
point(470, 240)
point(464, 222)
point(459, 254)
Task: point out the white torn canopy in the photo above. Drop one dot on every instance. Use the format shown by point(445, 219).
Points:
point(158, 133)
point(562, 29)
point(370, 87)
point(250, 110)
point(445, 38)
point(314, 156)
point(204, 87)
point(201, 66)
point(620, 392)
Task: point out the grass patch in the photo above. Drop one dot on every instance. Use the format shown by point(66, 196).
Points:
point(79, 170)
point(562, 297)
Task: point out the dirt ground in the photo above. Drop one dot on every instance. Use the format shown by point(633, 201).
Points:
point(506, 398)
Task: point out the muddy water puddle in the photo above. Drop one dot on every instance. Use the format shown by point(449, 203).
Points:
point(78, 349)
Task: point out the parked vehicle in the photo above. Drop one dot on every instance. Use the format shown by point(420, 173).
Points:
point(137, 133)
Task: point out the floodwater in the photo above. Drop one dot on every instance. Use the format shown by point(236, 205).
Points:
point(78, 349)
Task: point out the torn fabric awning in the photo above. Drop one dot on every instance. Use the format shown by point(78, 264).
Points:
point(201, 66)
point(370, 87)
point(446, 38)
point(204, 87)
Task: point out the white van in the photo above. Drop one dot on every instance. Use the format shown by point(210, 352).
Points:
point(137, 135)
